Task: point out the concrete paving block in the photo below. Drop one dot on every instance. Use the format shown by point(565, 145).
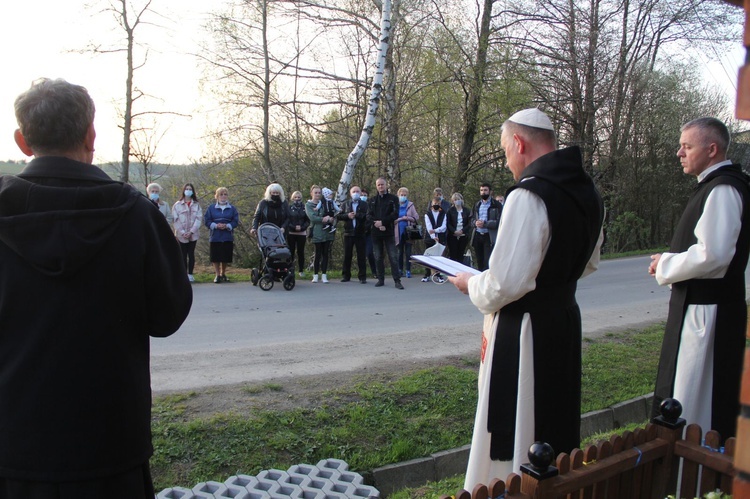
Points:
point(451, 462)
point(297, 479)
point(235, 493)
point(326, 474)
point(301, 469)
point(213, 488)
point(242, 481)
point(596, 421)
point(272, 475)
point(334, 464)
point(330, 479)
point(412, 473)
point(365, 491)
point(340, 488)
point(175, 493)
point(287, 491)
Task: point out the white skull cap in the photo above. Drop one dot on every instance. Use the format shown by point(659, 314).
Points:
point(532, 117)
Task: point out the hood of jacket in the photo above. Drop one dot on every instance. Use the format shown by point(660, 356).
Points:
point(58, 213)
point(564, 168)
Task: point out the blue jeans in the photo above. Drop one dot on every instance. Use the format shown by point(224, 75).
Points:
point(379, 247)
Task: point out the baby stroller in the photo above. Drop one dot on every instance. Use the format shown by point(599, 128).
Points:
point(277, 259)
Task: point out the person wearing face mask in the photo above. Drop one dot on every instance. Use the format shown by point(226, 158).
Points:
point(486, 218)
point(458, 225)
point(298, 224)
point(221, 219)
point(154, 194)
point(188, 216)
point(407, 215)
point(354, 215)
point(444, 204)
point(435, 227)
point(272, 209)
point(368, 236)
point(318, 210)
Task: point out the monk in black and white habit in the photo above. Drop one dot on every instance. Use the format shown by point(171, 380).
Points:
point(549, 237)
point(704, 340)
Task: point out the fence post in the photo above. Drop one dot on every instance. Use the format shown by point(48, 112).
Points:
point(535, 474)
point(669, 427)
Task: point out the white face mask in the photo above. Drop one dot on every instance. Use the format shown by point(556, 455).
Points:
point(188, 194)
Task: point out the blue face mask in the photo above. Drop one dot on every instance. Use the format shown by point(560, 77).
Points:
point(188, 194)
point(402, 199)
point(363, 197)
point(154, 196)
point(355, 196)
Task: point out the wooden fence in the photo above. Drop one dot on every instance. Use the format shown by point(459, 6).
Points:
point(634, 465)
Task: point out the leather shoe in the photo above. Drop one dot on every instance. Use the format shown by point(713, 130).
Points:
point(399, 285)
point(345, 279)
point(379, 283)
point(363, 281)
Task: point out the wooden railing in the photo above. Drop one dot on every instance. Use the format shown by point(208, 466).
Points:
point(634, 465)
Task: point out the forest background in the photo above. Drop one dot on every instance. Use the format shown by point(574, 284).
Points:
point(292, 80)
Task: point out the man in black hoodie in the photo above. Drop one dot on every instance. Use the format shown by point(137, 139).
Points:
point(549, 237)
point(89, 270)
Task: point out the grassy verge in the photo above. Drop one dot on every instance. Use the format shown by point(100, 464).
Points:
point(370, 423)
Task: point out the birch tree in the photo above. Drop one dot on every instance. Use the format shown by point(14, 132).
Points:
point(372, 110)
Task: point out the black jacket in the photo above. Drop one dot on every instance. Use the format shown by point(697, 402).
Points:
point(360, 216)
point(451, 221)
point(493, 217)
point(297, 216)
point(385, 209)
point(276, 213)
point(89, 269)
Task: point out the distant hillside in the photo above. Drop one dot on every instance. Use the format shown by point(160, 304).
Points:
point(11, 167)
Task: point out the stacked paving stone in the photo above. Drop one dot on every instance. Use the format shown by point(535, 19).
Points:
point(329, 479)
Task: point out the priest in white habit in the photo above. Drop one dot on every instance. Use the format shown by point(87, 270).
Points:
point(549, 237)
point(704, 340)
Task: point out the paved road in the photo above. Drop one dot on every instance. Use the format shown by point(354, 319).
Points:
point(238, 333)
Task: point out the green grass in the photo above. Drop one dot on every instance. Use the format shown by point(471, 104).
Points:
point(370, 423)
point(619, 366)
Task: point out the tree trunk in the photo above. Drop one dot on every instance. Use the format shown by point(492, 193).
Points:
point(474, 99)
point(377, 88)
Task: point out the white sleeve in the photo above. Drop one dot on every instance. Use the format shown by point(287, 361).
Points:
point(717, 231)
point(522, 242)
point(593, 264)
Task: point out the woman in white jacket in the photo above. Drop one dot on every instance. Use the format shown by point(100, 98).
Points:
point(188, 217)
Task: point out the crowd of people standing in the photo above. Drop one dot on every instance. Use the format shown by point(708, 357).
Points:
point(373, 227)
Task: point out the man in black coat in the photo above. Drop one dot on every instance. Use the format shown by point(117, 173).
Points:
point(89, 270)
point(383, 212)
point(354, 215)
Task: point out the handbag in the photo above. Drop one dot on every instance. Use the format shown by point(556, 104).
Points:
point(413, 232)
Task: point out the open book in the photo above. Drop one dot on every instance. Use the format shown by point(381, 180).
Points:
point(443, 265)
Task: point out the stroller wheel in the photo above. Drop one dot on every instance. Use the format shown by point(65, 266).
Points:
point(265, 283)
point(289, 282)
point(254, 276)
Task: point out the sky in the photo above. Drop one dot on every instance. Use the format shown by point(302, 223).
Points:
point(39, 39)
